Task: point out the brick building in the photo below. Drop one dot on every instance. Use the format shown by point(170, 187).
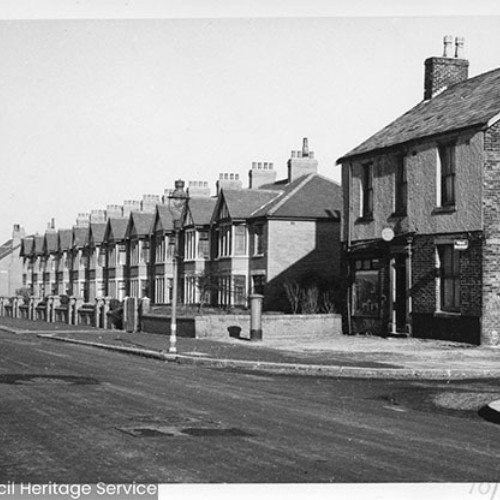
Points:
point(239, 239)
point(421, 203)
point(275, 232)
point(11, 265)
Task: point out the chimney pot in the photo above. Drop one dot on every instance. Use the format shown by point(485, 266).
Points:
point(447, 41)
point(459, 47)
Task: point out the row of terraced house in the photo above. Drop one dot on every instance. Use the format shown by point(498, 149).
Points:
point(420, 238)
point(227, 246)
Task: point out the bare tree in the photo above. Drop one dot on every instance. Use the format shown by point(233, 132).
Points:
point(292, 290)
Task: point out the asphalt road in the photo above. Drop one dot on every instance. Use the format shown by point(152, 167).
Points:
point(70, 414)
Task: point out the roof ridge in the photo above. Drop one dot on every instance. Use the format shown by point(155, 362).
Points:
point(297, 188)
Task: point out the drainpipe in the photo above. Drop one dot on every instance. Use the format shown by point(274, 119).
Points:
point(409, 286)
point(348, 221)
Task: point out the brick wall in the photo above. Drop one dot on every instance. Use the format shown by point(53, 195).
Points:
point(491, 250)
point(276, 326)
point(300, 249)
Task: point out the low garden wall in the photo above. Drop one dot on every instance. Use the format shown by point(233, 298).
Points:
point(151, 323)
point(274, 326)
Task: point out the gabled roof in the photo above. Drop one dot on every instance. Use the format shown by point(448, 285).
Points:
point(472, 103)
point(96, 233)
point(164, 218)
point(116, 228)
point(50, 243)
point(200, 210)
point(308, 197)
point(139, 224)
point(80, 236)
point(65, 239)
point(311, 196)
point(38, 245)
point(27, 245)
point(241, 203)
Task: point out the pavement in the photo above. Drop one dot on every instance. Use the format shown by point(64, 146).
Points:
point(315, 355)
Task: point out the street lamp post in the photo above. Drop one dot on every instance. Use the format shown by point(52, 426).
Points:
point(173, 320)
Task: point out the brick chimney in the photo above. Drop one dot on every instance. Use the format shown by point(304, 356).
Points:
point(229, 181)
point(261, 173)
point(83, 220)
point(197, 189)
point(97, 216)
point(149, 202)
point(302, 162)
point(443, 72)
point(114, 211)
point(17, 234)
point(131, 206)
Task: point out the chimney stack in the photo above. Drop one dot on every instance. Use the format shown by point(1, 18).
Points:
point(97, 216)
point(149, 202)
point(229, 181)
point(261, 173)
point(114, 211)
point(131, 206)
point(197, 189)
point(302, 162)
point(83, 220)
point(443, 72)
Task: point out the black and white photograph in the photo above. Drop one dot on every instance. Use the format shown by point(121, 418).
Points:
point(249, 249)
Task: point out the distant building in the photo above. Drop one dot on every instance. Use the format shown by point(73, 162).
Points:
point(11, 265)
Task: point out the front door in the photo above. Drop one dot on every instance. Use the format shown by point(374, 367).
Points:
point(400, 305)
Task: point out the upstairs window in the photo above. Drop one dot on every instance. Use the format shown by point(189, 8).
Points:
point(224, 241)
point(189, 244)
point(367, 187)
point(446, 171)
point(160, 249)
point(203, 245)
point(240, 240)
point(401, 187)
point(258, 240)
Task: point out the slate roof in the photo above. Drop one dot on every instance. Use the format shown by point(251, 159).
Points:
point(201, 210)
point(472, 103)
point(38, 245)
point(80, 235)
point(6, 249)
point(65, 239)
point(26, 246)
point(50, 245)
point(116, 228)
point(140, 223)
point(97, 230)
point(309, 196)
point(242, 202)
point(164, 218)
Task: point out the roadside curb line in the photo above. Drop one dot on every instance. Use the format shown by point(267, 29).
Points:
point(338, 371)
point(15, 331)
point(137, 351)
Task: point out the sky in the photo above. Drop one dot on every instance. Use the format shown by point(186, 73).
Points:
point(104, 102)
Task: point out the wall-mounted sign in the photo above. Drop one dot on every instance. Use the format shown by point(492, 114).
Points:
point(461, 244)
point(387, 234)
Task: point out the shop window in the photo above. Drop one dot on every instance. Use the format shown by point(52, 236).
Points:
point(366, 288)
